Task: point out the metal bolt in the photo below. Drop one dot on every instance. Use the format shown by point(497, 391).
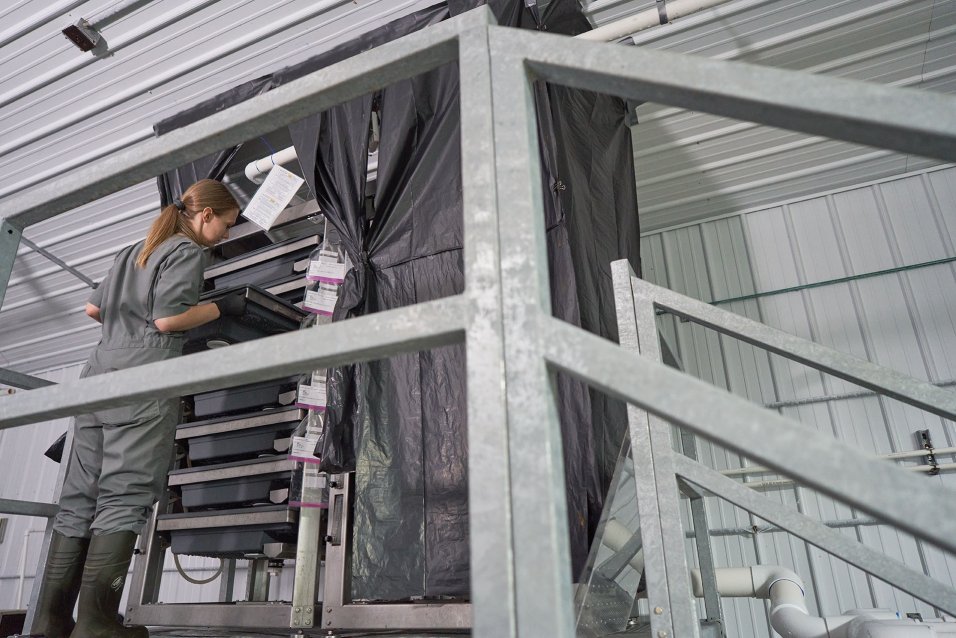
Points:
point(662, 634)
point(298, 610)
point(658, 610)
point(328, 609)
point(308, 610)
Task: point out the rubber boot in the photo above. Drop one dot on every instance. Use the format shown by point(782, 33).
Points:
point(107, 562)
point(61, 578)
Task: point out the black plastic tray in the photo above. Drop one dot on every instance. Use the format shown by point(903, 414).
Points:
point(265, 315)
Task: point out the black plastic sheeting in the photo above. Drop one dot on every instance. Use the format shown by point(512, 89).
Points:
point(400, 423)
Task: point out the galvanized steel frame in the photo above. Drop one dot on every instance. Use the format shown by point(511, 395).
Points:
point(519, 552)
point(637, 302)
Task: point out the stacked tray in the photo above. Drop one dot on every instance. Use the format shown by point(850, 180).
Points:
point(277, 266)
point(238, 469)
point(235, 481)
point(230, 438)
point(234, 533)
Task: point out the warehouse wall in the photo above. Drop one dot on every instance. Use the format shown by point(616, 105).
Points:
point(905, 320)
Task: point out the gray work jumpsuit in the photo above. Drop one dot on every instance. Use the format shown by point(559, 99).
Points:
point(120, 455)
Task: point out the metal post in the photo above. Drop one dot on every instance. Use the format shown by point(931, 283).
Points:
point(9, 242)
point(338, 584)
point(227, 581)
point(257, 580)
point(665, 562)
point(538, 498)
point(489, 489)
point(705, 554)
point(307, 564)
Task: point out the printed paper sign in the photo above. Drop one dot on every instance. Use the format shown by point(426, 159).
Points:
point(312, 397)
point(321, 301)
point(272, 197)
point(327, 268)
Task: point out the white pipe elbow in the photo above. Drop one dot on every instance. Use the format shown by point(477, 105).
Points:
point(790, 621)
point(255, 170)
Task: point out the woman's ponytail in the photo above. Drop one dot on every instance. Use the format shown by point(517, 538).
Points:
point(165, 226)
point(175, 218)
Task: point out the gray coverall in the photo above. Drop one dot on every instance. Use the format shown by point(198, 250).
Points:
point(120, 455)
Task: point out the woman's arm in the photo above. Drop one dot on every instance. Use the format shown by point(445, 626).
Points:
point(195, 316)
point(93, 312)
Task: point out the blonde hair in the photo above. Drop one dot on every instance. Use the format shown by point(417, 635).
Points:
point(206, 193)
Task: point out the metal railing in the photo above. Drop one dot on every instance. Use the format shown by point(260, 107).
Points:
point(521, 581)
point(874, 486)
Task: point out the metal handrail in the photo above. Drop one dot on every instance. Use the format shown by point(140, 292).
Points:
point(517, 517)
point(884, 491)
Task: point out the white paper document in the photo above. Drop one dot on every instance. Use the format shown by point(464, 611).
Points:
point(272, 197)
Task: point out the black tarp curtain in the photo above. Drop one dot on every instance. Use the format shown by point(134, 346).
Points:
point(400, 423)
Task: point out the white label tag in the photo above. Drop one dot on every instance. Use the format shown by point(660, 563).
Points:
point(312, 397)
point(272, 197)
point(327, 268)
point(303, 449)
point(321, 301)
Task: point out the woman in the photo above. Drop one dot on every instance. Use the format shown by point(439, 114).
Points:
point(120, 456)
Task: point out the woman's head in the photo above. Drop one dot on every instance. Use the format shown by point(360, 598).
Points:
point(204, 214)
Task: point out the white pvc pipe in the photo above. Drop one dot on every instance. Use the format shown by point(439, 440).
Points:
point(785, 591)
point(255, 170)
point(646, 19)
point(616, 537)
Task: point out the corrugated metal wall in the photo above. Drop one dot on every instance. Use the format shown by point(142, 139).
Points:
point(692, 166)
point(27, 475)
point(905, 320)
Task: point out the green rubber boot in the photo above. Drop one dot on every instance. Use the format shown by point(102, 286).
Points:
point(61, 578)
point(107, 562)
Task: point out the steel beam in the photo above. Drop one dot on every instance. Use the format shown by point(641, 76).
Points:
point(816, 460)
point(409, 329)
point(242, 617)
point(843, 547)
point(9, 243)
point(542, 564)
point(491, 536)
point(22, 381)
point(906, 120)
point(921, 394)
point(28, 508)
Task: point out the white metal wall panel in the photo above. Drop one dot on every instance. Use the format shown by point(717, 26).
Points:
point(27, 475)
point(692, 166)
point(905, 320)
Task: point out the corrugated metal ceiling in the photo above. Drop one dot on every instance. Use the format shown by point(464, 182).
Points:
point(61, 109)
